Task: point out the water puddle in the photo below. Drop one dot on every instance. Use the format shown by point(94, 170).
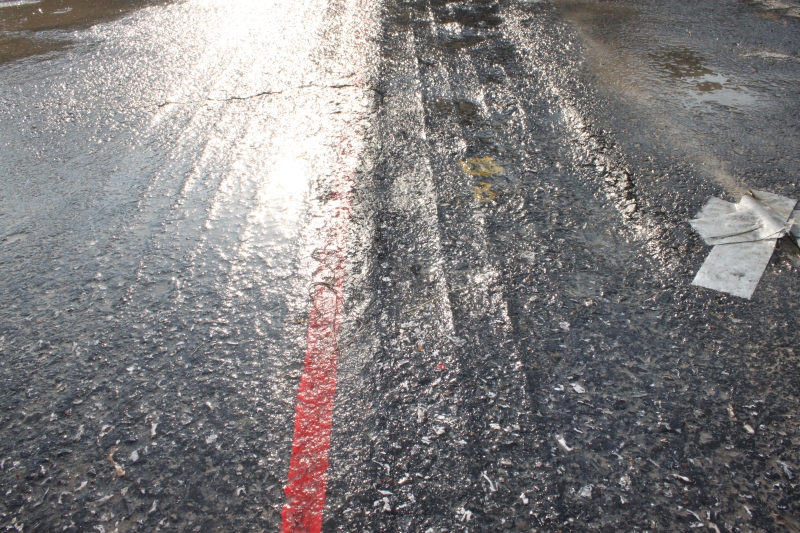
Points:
point(641, 54)
point(621, 63)
point(718, 89)
point(14, 237)
point(23, 22)
point(14, 47)
point(681, 63)
point(697, 81)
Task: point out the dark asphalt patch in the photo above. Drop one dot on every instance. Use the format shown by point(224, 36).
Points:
point(584, 384)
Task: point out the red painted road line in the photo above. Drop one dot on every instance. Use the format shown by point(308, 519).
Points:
point(308, 467)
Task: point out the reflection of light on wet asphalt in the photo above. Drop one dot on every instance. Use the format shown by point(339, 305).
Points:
point(720, 90)
point(300, 139)
point(302, 135)
point(12, 3)
point(254, 112)
point(518, 278)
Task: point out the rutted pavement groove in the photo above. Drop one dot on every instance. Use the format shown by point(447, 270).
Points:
point(252, 280)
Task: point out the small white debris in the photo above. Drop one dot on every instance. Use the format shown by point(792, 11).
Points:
point(81, 486)
point(438, 430)
point(79, 434)
point(211, 439)
point(697, 516)
point(105, 430)
point(786, 469)
point(492, 486)
point(240, 490)
point(426, 440)
point(153, 427)
point(153, 508)
point(411, 498)
point(524, 499)
point(564, 325)
point(748, 428)
point(456, 340)
point(625, 483)
point(103, 499)
point(682, 478)
point(387, 508)
point(563, 443)
point(577, 388)
point(495, 426)
point(464, 515)
point(134, 456)
point(559, 388)
point(420, 414)
point(386, 493)
point(405, 478)
point(586, 492)
point(384, 465)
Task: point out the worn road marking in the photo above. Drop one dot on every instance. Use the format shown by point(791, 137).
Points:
point(308, 468)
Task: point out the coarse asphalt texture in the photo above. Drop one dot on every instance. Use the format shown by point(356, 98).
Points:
point(520, 348)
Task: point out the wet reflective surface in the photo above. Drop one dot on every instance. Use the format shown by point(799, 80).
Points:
point(160, 203)
point(32, 27)
point(519, 346)
point(540, 360)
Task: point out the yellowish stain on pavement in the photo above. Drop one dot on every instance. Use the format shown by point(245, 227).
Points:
point(481, 166)
point(483, 192)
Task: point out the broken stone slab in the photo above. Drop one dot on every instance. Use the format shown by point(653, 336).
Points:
point(744, 236)
point(757, 216)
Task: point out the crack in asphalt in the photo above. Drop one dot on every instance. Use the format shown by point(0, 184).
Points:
point(262, 93)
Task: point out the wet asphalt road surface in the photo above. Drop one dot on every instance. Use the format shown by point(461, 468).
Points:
point(520, 349)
